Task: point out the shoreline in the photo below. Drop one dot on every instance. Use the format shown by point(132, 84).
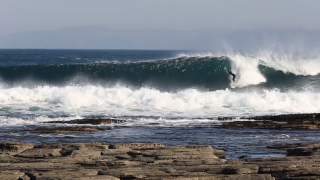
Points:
point(242, 137)
point(155, 161)
point(304, 121)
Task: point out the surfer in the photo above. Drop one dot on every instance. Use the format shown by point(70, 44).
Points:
point(232, 74)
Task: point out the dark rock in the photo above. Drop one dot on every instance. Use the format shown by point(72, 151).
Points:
point(89, 121)
point(304, 150)
point(283, 146)
point(80, 129)
point(14, 147)
point(284, 121)
point(290, 117)
point(267, 125)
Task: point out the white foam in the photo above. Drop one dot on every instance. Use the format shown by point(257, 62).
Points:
point(91, 100)
point(289, 63)
point(198, 54)
point(246, 68)
point(9, 121)
point(296, 62)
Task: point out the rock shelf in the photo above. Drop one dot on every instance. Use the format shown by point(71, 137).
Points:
point(152, 161)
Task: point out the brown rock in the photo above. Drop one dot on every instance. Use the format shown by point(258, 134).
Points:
point(89, 121)
point(39, 153)
point(64, 130)
point(298, 125)
point(85, 153)
point(100, 177)
point(304, 150)
point(241, 169)
point(153, 162)
point(13, 175)
point(14, 147)
point(226, 177)
point(285, 121)
point(63, 174)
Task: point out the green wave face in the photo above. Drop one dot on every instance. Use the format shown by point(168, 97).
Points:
point(164, 74)
point(173, 74)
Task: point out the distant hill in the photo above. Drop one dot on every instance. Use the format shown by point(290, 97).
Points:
point(101, 37)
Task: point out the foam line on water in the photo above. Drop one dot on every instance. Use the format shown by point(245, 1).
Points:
point(97, 100)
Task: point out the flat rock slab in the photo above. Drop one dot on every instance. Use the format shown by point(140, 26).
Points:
point(304, 150)
point(297, 125)
point(14, 147)
point(152, 161)
point(286, 121)
point(39, 153)
point(12, 175)
point(289, 117)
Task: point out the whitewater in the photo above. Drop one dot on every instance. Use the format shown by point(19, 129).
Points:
point(170, 88)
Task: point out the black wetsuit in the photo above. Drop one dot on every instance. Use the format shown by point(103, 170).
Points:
point(232, 74)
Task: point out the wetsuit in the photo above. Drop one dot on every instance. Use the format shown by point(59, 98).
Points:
point(233, 75)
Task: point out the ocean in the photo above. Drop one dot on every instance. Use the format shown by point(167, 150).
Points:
point(170, 97)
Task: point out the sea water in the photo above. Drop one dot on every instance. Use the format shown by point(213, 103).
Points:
point(164, 96)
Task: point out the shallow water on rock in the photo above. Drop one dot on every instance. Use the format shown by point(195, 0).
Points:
point(236, 143)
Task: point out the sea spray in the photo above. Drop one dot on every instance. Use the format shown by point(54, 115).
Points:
point(247, 70)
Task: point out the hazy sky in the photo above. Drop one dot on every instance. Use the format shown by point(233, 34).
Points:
point(24, 15)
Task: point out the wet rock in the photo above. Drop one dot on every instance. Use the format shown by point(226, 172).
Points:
point(267, 124)
point(89, 121)
point(45, 130)
point(304, 150)
point(290, 117)
point(285, 121)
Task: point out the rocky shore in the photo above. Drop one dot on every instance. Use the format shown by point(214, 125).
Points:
point(288, 121)
point(154, 161)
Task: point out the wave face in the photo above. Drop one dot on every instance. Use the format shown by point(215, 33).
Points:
point(172, 74)
point(169, 74)
point(170, 87)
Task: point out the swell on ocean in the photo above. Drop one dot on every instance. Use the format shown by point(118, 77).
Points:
point(183, 72)
point(169, 90)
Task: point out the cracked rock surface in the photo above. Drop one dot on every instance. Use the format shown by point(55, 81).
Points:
point(153, 161)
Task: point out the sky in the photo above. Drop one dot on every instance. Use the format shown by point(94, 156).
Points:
point(27, 15)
